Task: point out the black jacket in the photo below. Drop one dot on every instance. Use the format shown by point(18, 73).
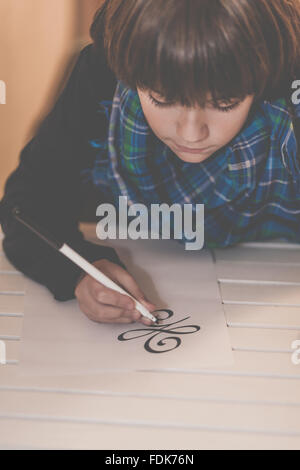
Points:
point(47, 183)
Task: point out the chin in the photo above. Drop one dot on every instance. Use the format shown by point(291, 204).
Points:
point(193, 158)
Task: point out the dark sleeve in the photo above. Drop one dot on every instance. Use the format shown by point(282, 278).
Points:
point(47, 182)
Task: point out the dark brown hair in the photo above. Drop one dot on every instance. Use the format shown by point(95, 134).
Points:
point(185, 49)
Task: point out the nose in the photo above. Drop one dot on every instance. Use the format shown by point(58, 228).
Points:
point(192, 127)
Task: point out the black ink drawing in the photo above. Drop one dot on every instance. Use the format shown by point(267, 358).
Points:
point(161, 330)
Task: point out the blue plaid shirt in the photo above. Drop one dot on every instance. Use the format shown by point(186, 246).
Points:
point(250, 188)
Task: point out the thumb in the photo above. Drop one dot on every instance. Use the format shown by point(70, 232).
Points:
point(133, 288)
point(125, 280)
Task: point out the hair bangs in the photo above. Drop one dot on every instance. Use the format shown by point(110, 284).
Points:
point(191, 51)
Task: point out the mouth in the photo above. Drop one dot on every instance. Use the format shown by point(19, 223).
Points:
point(192, 151)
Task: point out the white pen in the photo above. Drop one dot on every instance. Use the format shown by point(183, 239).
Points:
point(81, 262)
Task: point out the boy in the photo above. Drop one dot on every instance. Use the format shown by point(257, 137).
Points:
point(175, 102)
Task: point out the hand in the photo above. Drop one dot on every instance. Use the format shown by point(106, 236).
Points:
point(104, 305)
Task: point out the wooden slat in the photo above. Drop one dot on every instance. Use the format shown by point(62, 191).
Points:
point(167, 386)
point(11, 326)
point(258, 364)
point(12, 352)
point(169, 413)
point(12, 304)
point(63, 435)
point(258, 271)
point(5, 265)
point(265, 363)
point(281, 295)
point(11, 283)
point(263, 316)
point(258, 255)
point(245, 363)
point(263, 340)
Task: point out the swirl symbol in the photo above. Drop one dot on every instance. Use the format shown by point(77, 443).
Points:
point(157, 330)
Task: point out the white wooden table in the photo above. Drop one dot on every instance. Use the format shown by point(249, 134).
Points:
point(253, 405)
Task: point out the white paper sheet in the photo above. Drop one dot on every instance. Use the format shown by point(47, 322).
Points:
point(59, 339)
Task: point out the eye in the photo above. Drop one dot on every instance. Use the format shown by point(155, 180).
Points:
point(223, 109)
point(159, 104)
point(227, 109)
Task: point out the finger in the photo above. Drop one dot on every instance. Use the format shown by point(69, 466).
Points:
point(99, 312)
point(146, 321)
point(111, 314)
point(127, 317)
point(108, 296)
point(106, 317)
point(136, 315)
point(127, 281)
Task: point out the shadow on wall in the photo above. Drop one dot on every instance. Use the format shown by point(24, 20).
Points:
point(39, 45)
point(86, 10)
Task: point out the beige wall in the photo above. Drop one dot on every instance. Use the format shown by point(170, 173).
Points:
point(87, 11)
point(37, 39)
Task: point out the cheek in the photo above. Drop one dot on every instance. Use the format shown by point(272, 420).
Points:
point(228, 125)
point(159, 120)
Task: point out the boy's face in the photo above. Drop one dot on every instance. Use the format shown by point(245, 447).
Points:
point(194, 134)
